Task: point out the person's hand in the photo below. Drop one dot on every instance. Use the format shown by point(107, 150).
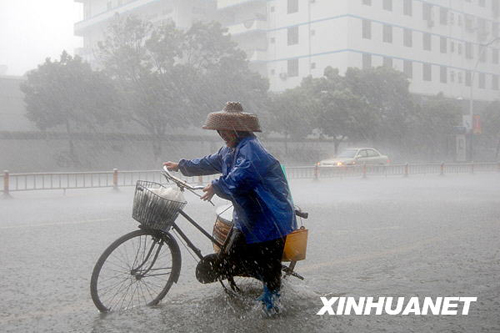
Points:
point(172, 166)
point(209, 192)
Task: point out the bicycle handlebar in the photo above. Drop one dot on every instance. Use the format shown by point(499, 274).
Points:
point(179, 182)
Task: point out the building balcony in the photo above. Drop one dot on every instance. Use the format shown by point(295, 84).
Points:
point(249, 26)
point(82, 26)
point(223, 4)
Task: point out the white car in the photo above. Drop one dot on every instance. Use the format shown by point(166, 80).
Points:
point(356, 156)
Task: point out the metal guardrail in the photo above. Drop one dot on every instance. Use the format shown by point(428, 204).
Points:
point(115, 179)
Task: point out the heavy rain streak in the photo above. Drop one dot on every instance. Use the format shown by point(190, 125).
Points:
point(249, 166)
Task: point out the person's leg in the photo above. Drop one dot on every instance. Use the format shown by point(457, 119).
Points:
point(269, 270)
point(272, 253)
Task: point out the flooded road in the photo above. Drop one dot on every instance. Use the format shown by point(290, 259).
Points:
point(401, 237)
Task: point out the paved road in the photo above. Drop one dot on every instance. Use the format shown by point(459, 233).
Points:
point(421, 236)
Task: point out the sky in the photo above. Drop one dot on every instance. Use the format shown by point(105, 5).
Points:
point(32, 30)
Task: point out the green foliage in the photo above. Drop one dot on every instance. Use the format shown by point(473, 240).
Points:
point(370, 106)
point(169, 78)
point(289, 113)
point(491, 125)
point(67, 94)
point(433, 126)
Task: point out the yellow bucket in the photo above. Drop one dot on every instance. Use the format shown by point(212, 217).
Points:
point(295, 245)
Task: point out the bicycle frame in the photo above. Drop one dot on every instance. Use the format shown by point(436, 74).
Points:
point(188, 241)
point(184, 185)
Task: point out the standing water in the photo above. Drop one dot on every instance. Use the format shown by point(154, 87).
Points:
point(414, 237)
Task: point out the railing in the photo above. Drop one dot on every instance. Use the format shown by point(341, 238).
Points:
point(13, 182)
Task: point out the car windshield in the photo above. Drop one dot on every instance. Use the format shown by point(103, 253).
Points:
point(348, 153)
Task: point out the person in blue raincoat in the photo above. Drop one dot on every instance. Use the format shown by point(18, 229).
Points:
point(253, 180)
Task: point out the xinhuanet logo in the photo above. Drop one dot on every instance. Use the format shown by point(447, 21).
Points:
point(445, 306)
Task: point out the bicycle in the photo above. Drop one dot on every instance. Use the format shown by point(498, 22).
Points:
point(140, 267)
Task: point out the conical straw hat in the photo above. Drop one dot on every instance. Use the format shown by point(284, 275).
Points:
point(232, 118)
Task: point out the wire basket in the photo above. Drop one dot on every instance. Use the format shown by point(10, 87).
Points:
point(152, 210)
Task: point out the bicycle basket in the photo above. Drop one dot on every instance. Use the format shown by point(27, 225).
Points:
point(153, 210)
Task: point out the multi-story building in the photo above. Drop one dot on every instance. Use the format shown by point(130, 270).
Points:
point(442, 45)
point(97, 15)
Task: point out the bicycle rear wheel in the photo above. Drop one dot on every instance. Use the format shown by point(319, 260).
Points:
point(135, 270)
point(239, 283)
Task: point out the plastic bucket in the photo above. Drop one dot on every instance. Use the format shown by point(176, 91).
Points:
point(295, 245)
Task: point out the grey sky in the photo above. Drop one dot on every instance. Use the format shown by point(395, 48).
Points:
point(32, 30)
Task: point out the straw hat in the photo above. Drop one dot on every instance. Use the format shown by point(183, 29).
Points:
point(232, 118)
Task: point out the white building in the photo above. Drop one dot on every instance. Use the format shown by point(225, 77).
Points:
point(439, 44)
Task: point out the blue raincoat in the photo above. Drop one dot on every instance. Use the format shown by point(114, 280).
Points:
point(254, 181)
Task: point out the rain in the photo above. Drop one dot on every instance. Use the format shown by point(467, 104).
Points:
point(384, 115)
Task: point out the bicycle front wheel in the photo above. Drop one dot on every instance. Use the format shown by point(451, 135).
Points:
point(137, 269)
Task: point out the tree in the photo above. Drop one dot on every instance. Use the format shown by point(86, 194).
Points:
point(340, 113)
point(220, 72)
point(491, 124)
point(141, 61)
point(385, 92)
point(434, 124)
point(289, 114)
point(171, 78)
point(67, 94)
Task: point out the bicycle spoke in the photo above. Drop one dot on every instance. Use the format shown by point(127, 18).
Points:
point(116, 294)
point(137, 269)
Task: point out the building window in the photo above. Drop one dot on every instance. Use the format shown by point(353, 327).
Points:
point(313, 65)
point(468, 78)
point(482, 80)
point(293, 67)
point(452, 18)
point(495, 7)
point(367, 29)
point(293, 6)
point(452, 76)
point(459, 48)
point(468, 50)
point(452, 46)
point(109, 5)
point(482, 53)
point(272, 9)
point(482, 3)
point(387, 62)
point(387, 4)
point(427, 72)
point(408, 7)
point(460, 22)
point(367, 60)
point(444, 44)
point(427, 41)
point(469, 23)
point(272, 40)
point(408, 68)
point(494, 28)
point(460, 77)
point(443, 15)
point(494, 57)
point(426, 12)
point(273, 72)
point(387, 33)
point(443, 74)
point(494, 82)
point(293, 35)
point(367, 2)
point(482, 27)
point(407, 37)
